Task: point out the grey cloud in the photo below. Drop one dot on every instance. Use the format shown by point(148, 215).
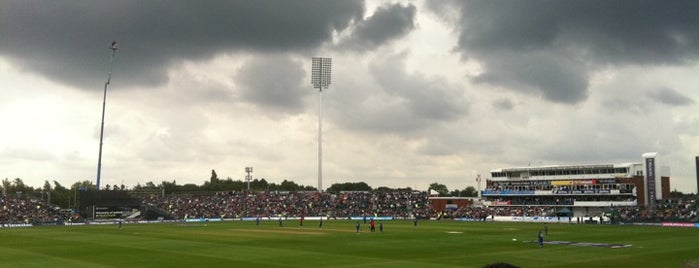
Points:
point(556, 78)
point(428, 98)
point(670, 97)
point(273, 83)
point(503, 104)
point(407, 102)
point(67, 40)
point(382, 118)
point(581, 34)
point(605, 31)
point(387, 23)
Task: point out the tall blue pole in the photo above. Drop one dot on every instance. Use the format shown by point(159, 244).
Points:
point(113, 47)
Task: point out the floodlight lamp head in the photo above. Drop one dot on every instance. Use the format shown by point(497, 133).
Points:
point(321, 70)
point(113, 45)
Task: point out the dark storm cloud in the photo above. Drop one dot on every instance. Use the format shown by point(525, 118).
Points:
point(273, 83)
point(387, 23)
point(554, 77)
point(67, 40)
point(670, 97)
point(578, 35)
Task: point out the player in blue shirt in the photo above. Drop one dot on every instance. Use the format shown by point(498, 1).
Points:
point(541, 239)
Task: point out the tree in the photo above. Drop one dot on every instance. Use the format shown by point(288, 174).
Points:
point(6, 184)
point(62, 196)
point(439, 188)
point(18, 188)
point(47, 186)
point(676, 194)
point(169, 187)
point(349, 186)
point(469, 191)
point(84, 186)
point(190, 187)
point(308, 188)
point(214, 177)
point(46, 191)
point(259, 185)
point(388, 189)
point(288, 186)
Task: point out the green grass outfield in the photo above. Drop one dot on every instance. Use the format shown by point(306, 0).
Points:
point(430, 244)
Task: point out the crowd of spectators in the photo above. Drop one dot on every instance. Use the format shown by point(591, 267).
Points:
point(25, 211)
point(397, 204)
point(562, 200)
point(485, 212)
point(294, 204)
point(680, 210)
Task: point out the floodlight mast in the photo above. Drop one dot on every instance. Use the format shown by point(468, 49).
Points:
point(113, 47)
point(320, 78)
point(248, 177)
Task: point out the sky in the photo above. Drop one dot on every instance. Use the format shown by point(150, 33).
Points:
point(422, 91)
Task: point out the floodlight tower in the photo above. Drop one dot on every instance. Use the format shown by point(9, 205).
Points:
point(113, 47)
point(320, 78)
point(248, 177)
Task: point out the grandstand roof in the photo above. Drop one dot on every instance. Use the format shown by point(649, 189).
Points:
point(565, 167)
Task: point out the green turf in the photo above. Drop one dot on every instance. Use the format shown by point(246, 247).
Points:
point(431, 244)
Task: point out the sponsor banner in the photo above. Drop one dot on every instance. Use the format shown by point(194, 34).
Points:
point(584, 192)
point(51, 223)
point(358, 218)
point(314, 218)
point(203, 219)
point(507, 192)
point(679, 224)
point(261, 218)
point(158, 221)
point(473, 219)
point(16, 225)
point(646, 223)
point(573, 182)
point(560, 183)
point(532, 219)
point(650, 181)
